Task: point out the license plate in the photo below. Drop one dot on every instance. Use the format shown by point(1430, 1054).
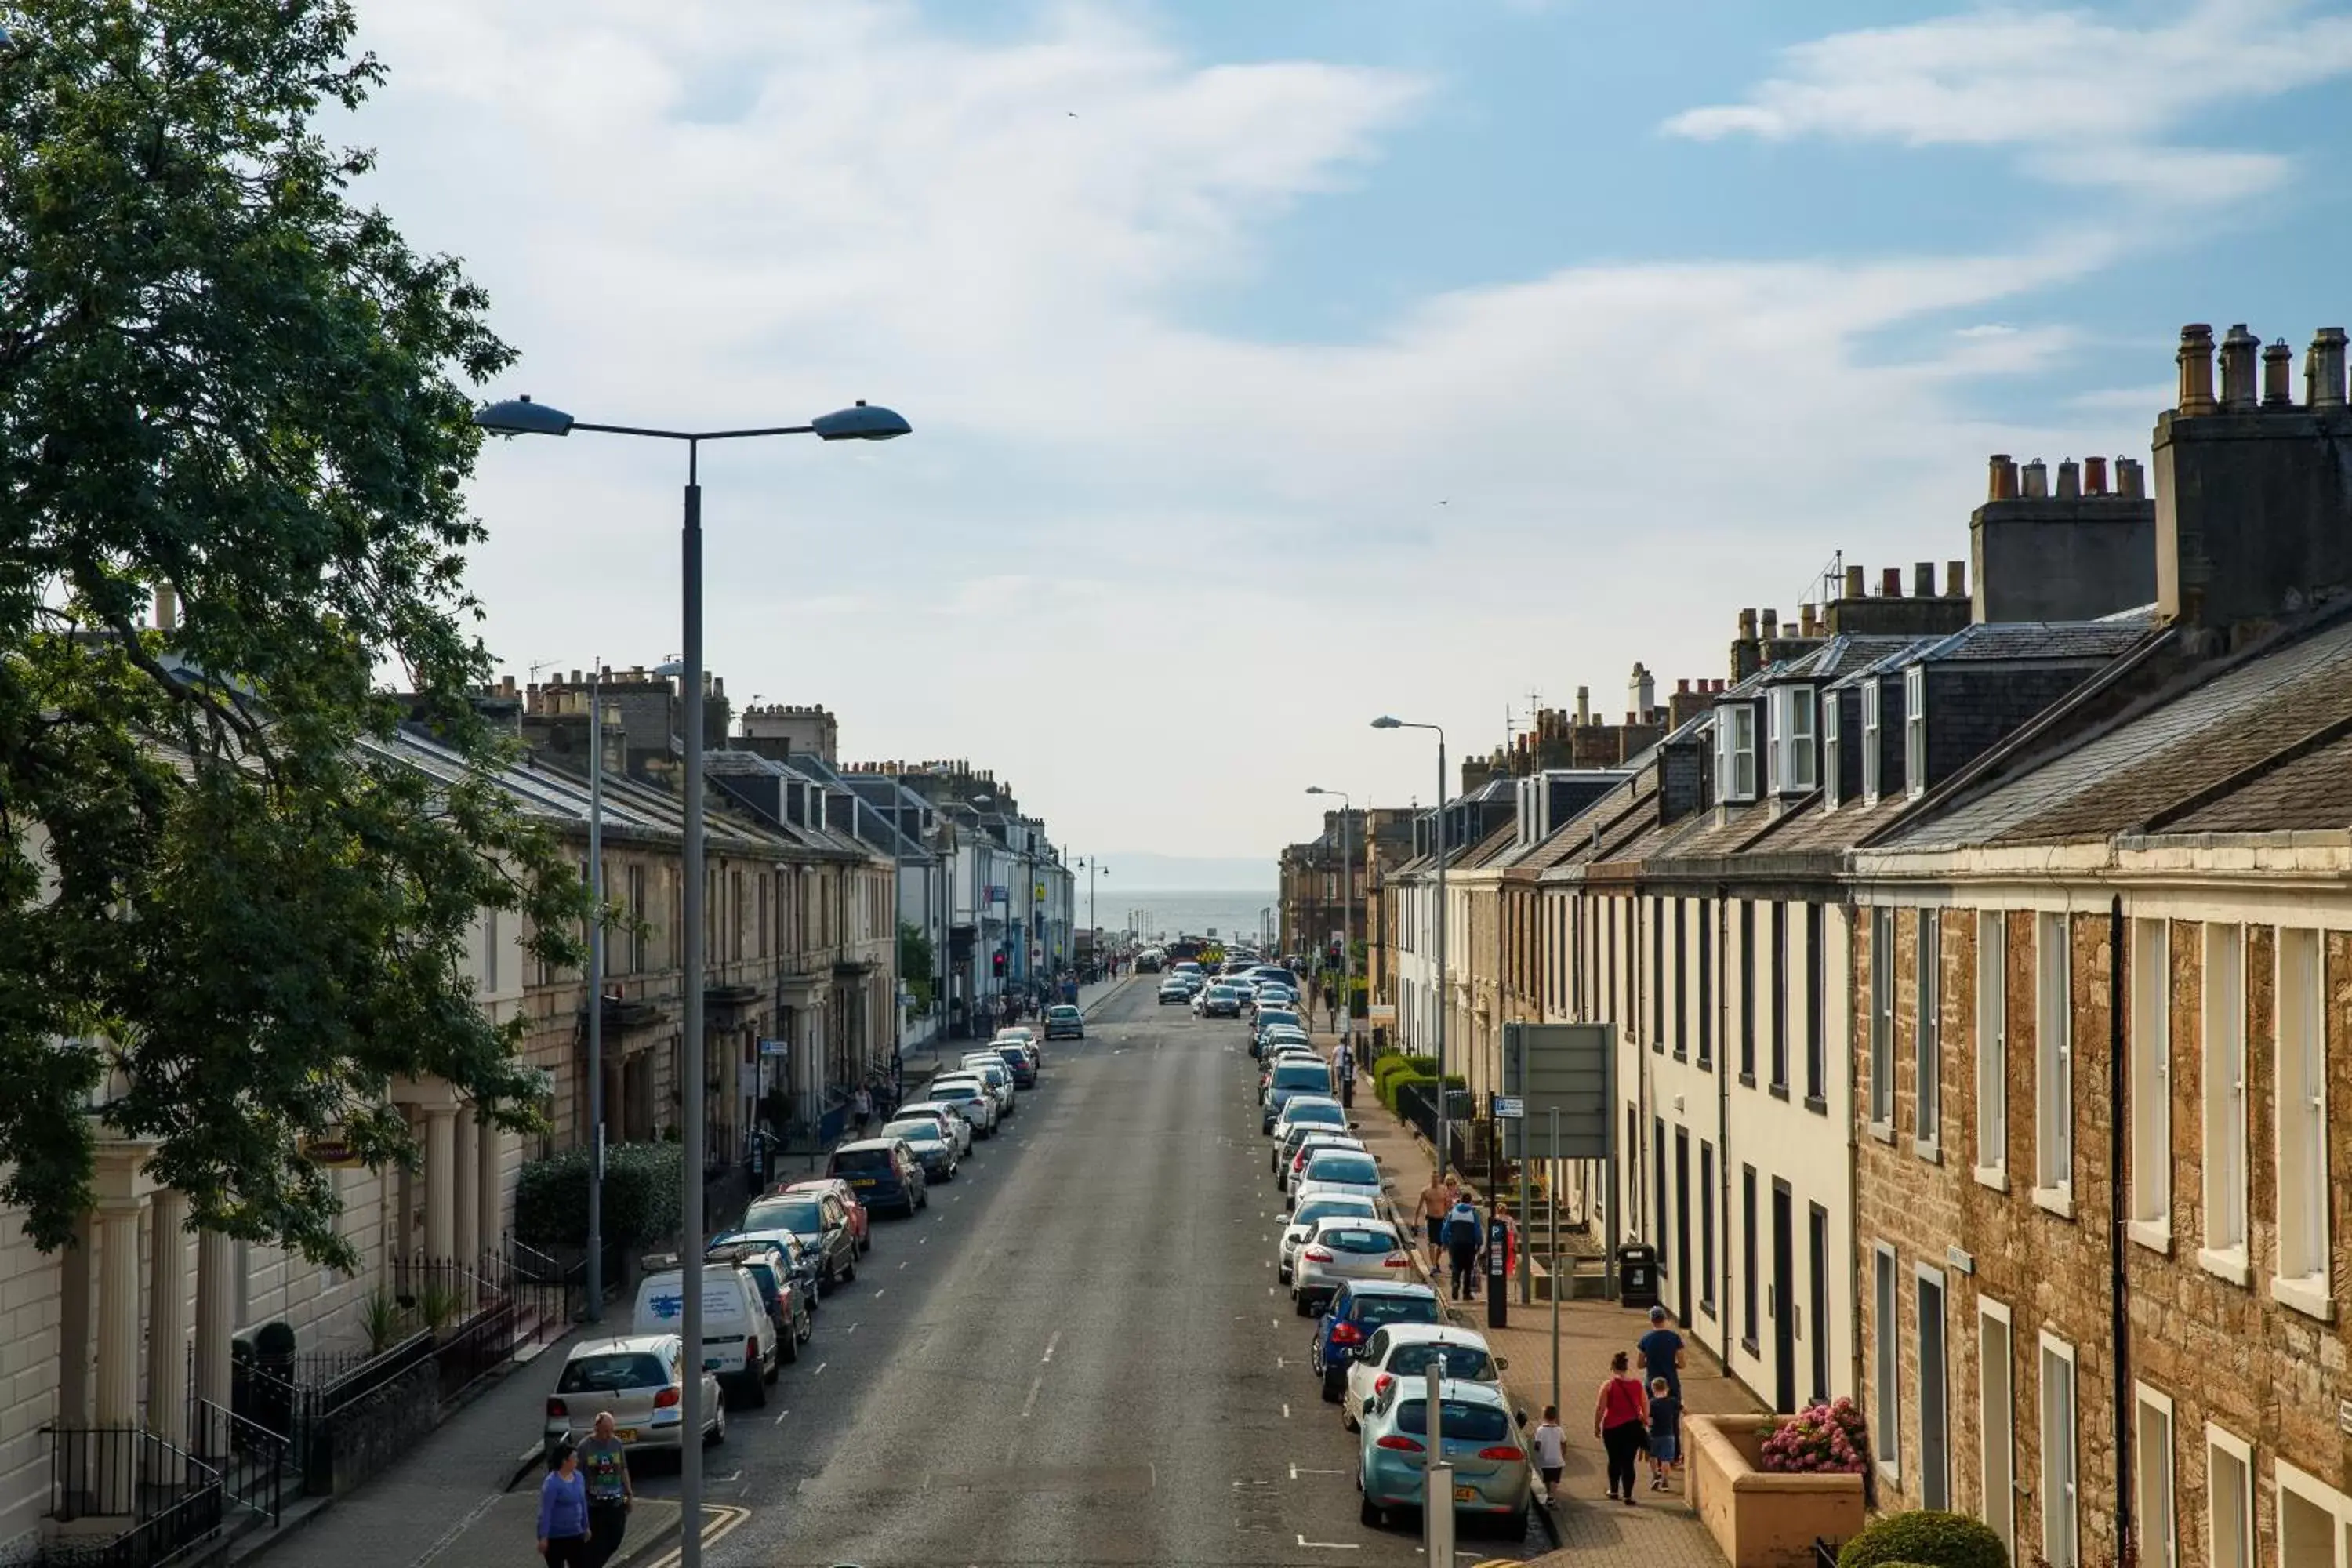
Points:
point(861, 1181)
point(625, 1434)
point(1465, 1494)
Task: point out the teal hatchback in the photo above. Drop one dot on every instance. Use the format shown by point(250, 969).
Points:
point(1491, 1479)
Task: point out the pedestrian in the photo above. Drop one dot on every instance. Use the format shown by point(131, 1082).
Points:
point(1463, 1238)
point(861, 1108)
point(1621, 1420)
point(1434, 1200)
point(1665, 1433)
point(1662, 1351)
point(604, 1466)
point(1551, 1451)
point(563, 1511)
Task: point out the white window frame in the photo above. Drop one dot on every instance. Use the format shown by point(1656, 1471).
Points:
point(1832, 750)
point(2224, 1088)
point(2288, 1478)
point(1915, 731)
point(2054, 1058)
point(1804, 773)
point(1870, 743)
point(1992, 1049)
point(1743, 752)
point(1999, 1513)
point(2240, 1530)
point(2300, 1111)
point(2156, 1486)
point(1923, 1276)
point(2061, 1540)
point(1886, 1415)
point(2151, 1084)
point(1882, 1021)
point(1927, 1046)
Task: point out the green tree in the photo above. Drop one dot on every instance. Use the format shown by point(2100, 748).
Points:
point(917, 964)
point(223, 910)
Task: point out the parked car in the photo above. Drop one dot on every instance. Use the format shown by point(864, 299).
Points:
point(967, 1098)
point(822, 1223)
point(1065, 1022)
point(1405, 1350)
point(1491, 1478)
point(951, 1121)
point(1302, 1223)
point(886, 1173)
point(990, 1068)
point(1268, 1017)
point(1358, 1312)
point(1300, 1114)
point(1344, 1247)
point(1279, 974)
point(803, 1261)
point(1023, 1036)
point(933, 1147)
point(1174, 989)
point(789, 1295)
point(1293, 1169)
point(1345, 1170)
point(860, 1220)
point(738, 1342)
point(1019, 1061)
point(1219, 1001)
point(1289, 1078)
point(640, 1379)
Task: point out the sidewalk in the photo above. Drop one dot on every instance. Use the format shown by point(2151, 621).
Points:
point(1662, 1531)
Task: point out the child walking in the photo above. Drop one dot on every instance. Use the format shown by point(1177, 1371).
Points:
point(1665, 1432)
point(1551, 1452)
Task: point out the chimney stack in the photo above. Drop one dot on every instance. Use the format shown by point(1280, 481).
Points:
point(2094, 476)
point(1641, 690)
point(2070, 480)
point(1923, 580)
point(167, 607)
point(1890, 583)
point(1956, 579)
point(2322, 369)
point(1747, 626)
point(1583, 707)
point(1807, 625)
point(2277, 358)
point(2195, 359)
point(2036, 478)
point(1771, 625)
point(2002, 482)
point(1854, 586)
point(2239, 348)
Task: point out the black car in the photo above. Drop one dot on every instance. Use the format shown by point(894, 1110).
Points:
point(821, 1222)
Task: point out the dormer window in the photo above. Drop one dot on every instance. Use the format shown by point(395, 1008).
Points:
point(1793, 769)
point(1915, 731)
point(1870, 746)
point(1735, 751)
point(1832, 752)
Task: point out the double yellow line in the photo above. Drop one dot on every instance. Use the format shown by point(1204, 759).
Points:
point(714, 1530)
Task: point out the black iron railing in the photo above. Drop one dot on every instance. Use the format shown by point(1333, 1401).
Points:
point(1824, 1554)
point(168, 1500)
point(251, 1458)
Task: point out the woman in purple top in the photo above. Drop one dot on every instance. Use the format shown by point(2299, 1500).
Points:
point(563, 1513)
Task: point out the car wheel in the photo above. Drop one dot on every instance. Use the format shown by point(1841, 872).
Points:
point(1282, 1276)
point(789, 1351)
point(1298, 1304)
point(866, 1242)
point(776, 1364)
point(1518, 1523)
point(718, 1433)
point(1373, 1515)
point(755, 1391)
point(1348, 1420)
point(849, 1270)
point(925, 1203)
point(1334, 1385)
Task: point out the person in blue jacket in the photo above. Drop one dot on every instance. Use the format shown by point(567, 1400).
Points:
point(563, 1511)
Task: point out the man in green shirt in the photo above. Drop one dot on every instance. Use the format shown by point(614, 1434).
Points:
point(605, 1464)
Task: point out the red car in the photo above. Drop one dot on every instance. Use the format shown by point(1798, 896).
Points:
point(848, 1197)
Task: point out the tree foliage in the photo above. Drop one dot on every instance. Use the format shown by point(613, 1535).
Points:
point(223, 912)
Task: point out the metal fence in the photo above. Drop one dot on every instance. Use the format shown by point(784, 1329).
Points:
point(251, 1458)
point(170, 1500)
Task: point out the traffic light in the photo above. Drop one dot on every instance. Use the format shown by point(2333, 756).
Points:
point(1000, 961)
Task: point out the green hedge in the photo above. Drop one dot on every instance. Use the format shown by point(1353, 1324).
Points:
point(643, 1196)
point(1927, 1539)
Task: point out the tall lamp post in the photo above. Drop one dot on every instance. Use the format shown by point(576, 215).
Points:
point(1386, 722)
point(596, 993)
point(1348, 916)
point(521, 416)
point(1095, 868)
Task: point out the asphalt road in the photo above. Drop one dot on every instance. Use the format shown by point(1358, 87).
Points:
point(1078, 1356)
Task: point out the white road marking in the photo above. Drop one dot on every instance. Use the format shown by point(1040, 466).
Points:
point(1277, 1364)
point(878, 1294)
point(922, 1240)
point(1029, 1403)
point(820, 1369)
point(780, 1418)
point(902, 1263)
point(1285, 1412)
point(456, 1530)
point(1330, 1545)
point(1054, 1340)
point(853, 1328)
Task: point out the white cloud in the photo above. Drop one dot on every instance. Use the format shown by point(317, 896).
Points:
point(1145, 570)
point(2088, 100)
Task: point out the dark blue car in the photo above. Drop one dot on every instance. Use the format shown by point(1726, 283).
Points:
point(1356, 1312)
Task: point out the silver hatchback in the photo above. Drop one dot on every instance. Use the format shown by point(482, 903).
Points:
point(1342, 1248)
point(639, 1380)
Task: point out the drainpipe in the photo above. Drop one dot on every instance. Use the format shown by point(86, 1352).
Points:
point(2119, 1285)
point(1723, 1109)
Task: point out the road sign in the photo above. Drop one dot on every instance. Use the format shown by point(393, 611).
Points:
point(775, 1047)
point(1570, 1068)
point(1509, 1108)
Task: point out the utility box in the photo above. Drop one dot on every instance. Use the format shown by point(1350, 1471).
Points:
point(1637, 1275)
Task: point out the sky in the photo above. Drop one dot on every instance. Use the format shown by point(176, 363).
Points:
point(1275, 367)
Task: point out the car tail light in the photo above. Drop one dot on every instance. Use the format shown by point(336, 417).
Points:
point(1397, 1260)
point(666, 1398)
point(1316, 1255)
point(1381, 1383)
point(556, 1412)
point(751, 1348)
point(1402, 1445)
point(1501, 1451)
point(1347, 1334)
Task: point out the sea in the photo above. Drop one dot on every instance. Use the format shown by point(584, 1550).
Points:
point(1163, 916)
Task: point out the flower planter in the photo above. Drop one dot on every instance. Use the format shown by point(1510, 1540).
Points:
point(1760, 1518)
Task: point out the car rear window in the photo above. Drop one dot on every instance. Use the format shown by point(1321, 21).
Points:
point(1466, 1362)
point(1363, 1243)
point(1063, 1012)
point(913, 1132)
point(1394, 1310)
point(784, 1214)
point(1301, 1075)
point(1464, 1422)
point(1355, 1169)
point(1268, 1017)
point(1324, 1208)
point(860, 1160)
point(609, 1374)
point(1318, 1115)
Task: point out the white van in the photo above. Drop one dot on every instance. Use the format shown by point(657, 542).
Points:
point(739, 1341)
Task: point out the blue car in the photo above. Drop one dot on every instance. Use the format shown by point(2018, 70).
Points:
point(1357, 1311)
point(1491, 1479)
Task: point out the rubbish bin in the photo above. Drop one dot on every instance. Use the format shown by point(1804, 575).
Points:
point(1637, 1275)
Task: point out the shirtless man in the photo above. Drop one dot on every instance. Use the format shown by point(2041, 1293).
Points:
point(1436, 1199)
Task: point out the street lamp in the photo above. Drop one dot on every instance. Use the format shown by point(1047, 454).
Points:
point(1093, 863)
point(1347, 915)
point(521, 416)
point(1386, 722)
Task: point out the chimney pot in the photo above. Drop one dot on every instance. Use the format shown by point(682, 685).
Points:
point(1771, 625)
point(1956, 579)
point(575, 678)
point(1854, 587)
point(1748, 625)
point(2034, 481)
point(1807, 624)
point(2239, 348)
point(2070, 480)
point(2322, 369)
point(1682, 686)
point(2195, 359)
point(1923, 580)
point(2000, 478)
point(2276, 361)
point(2094, 476)
point(1890, 583)
point(2131, 479)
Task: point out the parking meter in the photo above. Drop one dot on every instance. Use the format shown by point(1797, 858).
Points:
point(1499, 1259)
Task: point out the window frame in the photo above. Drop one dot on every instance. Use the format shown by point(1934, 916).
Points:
point(1989, 1311)
point(1923, 1279)
point(2303, 1224)
point(1881, 1020)
point(2225, 1100)
point(1885, 1415)
point(2147, 1401)
point(2054, 1058)
point(1804, 773)
point(1915, 731)
point(2241, 1453)
point(1992, 1156)
point(1706, 1269)
point(2150, 1083)
point(1871, 703)
point(1817, 1072)
point(2055, 1351)
point(1750, 1317)
point(1778, 1084)
point(1744, 781)
point(1927, 1044)
point(1833, 723)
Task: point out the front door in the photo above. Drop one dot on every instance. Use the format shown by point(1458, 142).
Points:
point(1784, 1301)
point(1682, 1226)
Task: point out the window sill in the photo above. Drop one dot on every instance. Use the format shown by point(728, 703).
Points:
point(1747, 1343)
point(1747, 1080)
point(2156, 1235)
point(1993, 1176)
point(1883, 1132)
point(1817, 1105)
point(2307, 1295)
point(1707, 1309)
point(2227, 1263)
point(1779, 1091)
point(1927, 1150)
point(1892, 1470)
point(2059, 1201)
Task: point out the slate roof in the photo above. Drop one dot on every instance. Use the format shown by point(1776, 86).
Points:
point(2035, 641)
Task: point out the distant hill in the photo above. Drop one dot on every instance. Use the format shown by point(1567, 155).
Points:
point(1185, 873)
